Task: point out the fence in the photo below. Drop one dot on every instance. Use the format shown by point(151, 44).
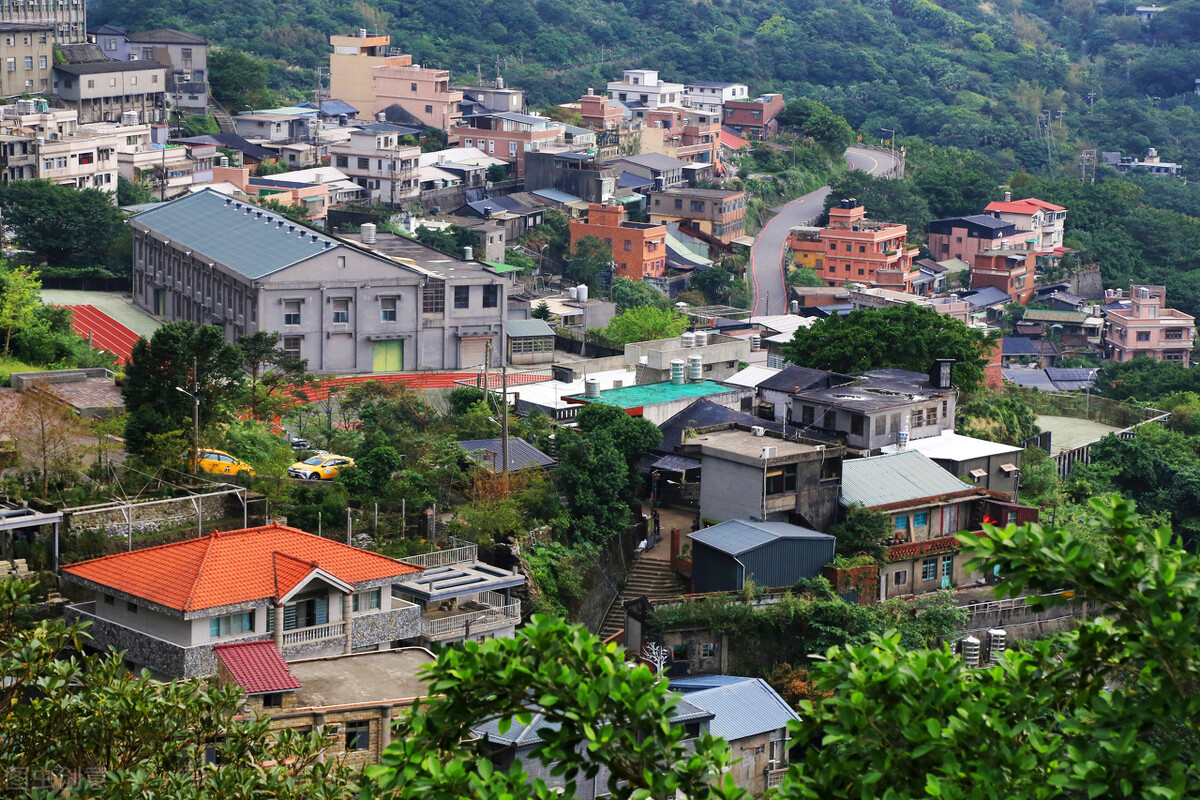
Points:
point(443, 558)
point(1083, 455)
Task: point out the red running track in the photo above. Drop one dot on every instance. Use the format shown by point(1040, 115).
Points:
point(102, 331)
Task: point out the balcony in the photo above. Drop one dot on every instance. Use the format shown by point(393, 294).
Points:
point(444, 558)
point(775, 776)
point(317, 633)
point(491, 611)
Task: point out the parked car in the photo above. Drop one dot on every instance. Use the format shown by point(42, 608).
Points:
point(300, 444)
point(218, 462)
point(323, 466)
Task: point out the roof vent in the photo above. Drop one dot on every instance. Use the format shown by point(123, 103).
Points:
point(237, 206)
point(228, 200)
point(258, 214)
point(281, 223)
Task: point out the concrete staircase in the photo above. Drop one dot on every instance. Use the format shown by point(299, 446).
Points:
point(649, 577)
point(224, 121)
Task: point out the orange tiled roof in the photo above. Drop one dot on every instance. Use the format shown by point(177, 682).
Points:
point(1027, 206)
point(941, 544)
point(233, 567)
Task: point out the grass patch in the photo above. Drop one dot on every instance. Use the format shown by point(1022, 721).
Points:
point(9, 365)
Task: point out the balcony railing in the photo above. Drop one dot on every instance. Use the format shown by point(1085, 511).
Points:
point(315, 634)
point(495, 611)
point(443, 558)
point(775, 777)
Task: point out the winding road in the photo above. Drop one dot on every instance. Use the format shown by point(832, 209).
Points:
point(766, 257)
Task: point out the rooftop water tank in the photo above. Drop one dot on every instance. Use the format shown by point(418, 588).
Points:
point(756, 342)
point(368, 233)
point(572, 292)
point(581, 292)
point(677, 372)
point(591, 388)
point(688, 339)
point(701, 338)
point(695, 364)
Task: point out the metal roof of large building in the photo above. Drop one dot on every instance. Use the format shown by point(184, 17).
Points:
point(895, 478)
point(740, 708)
point(244, 237)
point(519, 735)
point(739, 536)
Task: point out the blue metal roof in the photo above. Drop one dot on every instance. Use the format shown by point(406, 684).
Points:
point(743, 708)
point(1018, 346)
point(895, 478)
point(1029, 378)
point(521, 454)
point(628, 180)
point(528, 735)
point(241, 236)
point(702, 414)
point(556, 196)
point(700, 682)
point(333, 107)
point(985, 297)
point(739, 536)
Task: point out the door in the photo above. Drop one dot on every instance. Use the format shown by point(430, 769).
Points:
point(949, 520)
point(388, 356)
point(160, 302)
point(471, 352)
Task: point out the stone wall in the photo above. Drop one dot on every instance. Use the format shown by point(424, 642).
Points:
point(386, 627)
point(600, 585)
point(176, 513)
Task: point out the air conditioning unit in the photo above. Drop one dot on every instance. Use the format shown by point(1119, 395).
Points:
point(758, 430)
point(770, 452)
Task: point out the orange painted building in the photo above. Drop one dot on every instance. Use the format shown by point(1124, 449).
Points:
point(1010, 271)
point(639, 249)
point(854, 249)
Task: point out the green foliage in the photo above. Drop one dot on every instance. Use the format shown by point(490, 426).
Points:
point(889, 200)
point(255, 442)
point(462, 398)
point(591, 700)
point(237, 79)
point(20, 298)
point(997, 418)
point(450, 240)
point(64, 226)
point(804, 276)
point(200, 125)
point(862, 531)
point(587, 259)
point(717, 283)
point(497, 173)
point(560, 572)
point(541, 311)
point(814, 120)
point(629, 294)
point(1145, 379)
point(907, 337)
point(1039, 478)
point(270, 370)
point(516, 258)
point(131, 194)
point(643, 324)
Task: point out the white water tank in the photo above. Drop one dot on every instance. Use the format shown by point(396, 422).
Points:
point(591, 388)
point(756, 342)
point(581, 292)
point(677, 372)
point(695, 364)
point(997, 643)
point(701, 338)
point(468, 253)
point(688, 339)
point(572, 292)
point(368, 233)
point(970, 651)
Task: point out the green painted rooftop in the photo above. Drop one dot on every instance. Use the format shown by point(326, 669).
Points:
point(651, 394)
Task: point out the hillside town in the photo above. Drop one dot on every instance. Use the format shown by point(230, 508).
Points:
point(317, 406)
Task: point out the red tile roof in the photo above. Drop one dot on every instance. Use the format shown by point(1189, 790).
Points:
point(732, 140)
point(257, 666)
point(1029, 205)
point(907, 550)
point(233, 567)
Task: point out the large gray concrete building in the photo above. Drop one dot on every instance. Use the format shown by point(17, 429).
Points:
point(348, 306)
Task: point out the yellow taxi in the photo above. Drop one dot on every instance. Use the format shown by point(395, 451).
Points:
point(322, 466)
point(218, 462)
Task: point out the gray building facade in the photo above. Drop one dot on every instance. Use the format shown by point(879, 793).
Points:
point(772, 554)
point(101, 91)
point(67, 18)
point(27, 55)
point(346, 305)
point(578, 174)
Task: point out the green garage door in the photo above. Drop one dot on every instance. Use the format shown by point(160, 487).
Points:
point(388, 356)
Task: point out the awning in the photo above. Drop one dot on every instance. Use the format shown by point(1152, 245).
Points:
point(978, 474)
point(675, 464)
point(1009, 467)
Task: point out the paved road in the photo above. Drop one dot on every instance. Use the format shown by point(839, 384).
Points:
point(766, 257)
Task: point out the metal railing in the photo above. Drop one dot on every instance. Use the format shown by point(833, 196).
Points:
point(444, 558)
point(1006, 604)
point(305, 635)
point(501, 612)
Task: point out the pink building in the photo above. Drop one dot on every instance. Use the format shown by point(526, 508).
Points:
point(1149, 328)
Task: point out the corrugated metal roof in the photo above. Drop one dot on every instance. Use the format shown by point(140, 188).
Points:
point(751, 376)
point(702, 414)
point(1043, 315)
point(526, 735)
point(1018, 346)
point(987, 296)
point(798, 379)
point(675, 463)
point(517, 328)
point(1030, 378)
point(895, 478)
point(746, 708)
point(649, 394)
point(235, 233)
point(521, 454)
point(739, 536)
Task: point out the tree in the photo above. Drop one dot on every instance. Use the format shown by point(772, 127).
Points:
point(84, 722)
point(158, 365)
point(904, 336)
point(804, 276)
point(893, 200)
point(998, 419)
point(627, 293)
point(813, 119)
point(237, 79)
point(131, 194)
point(67, 227)
point(46, 430)
point(595, 710)
point(716, 283)
point(588, 258)
point(862, 531)
point(644, 324)
point(20, 298)
point(541, 311)
point(270, 367)
point(1145, 378)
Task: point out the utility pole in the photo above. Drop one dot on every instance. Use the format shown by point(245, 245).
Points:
point(504, 422)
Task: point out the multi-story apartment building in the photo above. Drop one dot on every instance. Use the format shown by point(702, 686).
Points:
point(754, 118)
point(27, 55)
point(856, 249)
point(1039, 224)
point(185, 55)
point(511, 136)
point(164, 169)
point(639, 249)
point(374, 159)
point(712, 97)
point(352, 304)
point(367, 74)
point(1010, 271)
point(497, 99)
point(600, 111)
point(103, 91)
point(642, 88)
point(713, 214)
point(689, 135)
point(266, 126)
point(67, 18)
point(963, 237)
point(578, 174)
point(1149, 328)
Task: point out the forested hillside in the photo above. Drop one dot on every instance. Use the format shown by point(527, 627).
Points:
point(967, 73)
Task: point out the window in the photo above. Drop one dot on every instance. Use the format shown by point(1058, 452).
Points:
point(806, 415)
point(365, 601)
point(364, 163)
point(917, 419)
point(931, 416)
point(848, 246)
point(109, 600)
point(12, 64)
point(291, 346)
point(1143, 336)
point(833, 245)
point(413, 87)
point(342, 161)
point(707, 650)
point(947, 566)
point(697, 205)
point(901, 522)
point(28, 62)
point(43, 62)
point(433, 298)
point(133, 80)
point(231, 624)
point(929, 569)
point(920, 519)
point(900, 577)
point(628, 245)
point(273, 700)
point(862, 248)
point(387, 309)
point(491, 296)
point(291, 312)
point(341, 311)
point(358, 735)
point(512, 149)
point(781, 479)
point(462, 296)
point(678, 203)
point(857, 424)
point(91, 84)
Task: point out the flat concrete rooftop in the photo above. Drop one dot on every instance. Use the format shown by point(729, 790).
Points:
point(361, 678)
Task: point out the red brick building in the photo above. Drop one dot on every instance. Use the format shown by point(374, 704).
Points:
point(639, 249)
point(1010, 271)
point(754, 119)
point(854, 249)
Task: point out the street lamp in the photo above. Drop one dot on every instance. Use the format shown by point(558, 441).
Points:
point(892, 142)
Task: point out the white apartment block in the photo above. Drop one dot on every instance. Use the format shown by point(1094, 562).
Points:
point(712, 97)
point(643, 86)
point(374, 159)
